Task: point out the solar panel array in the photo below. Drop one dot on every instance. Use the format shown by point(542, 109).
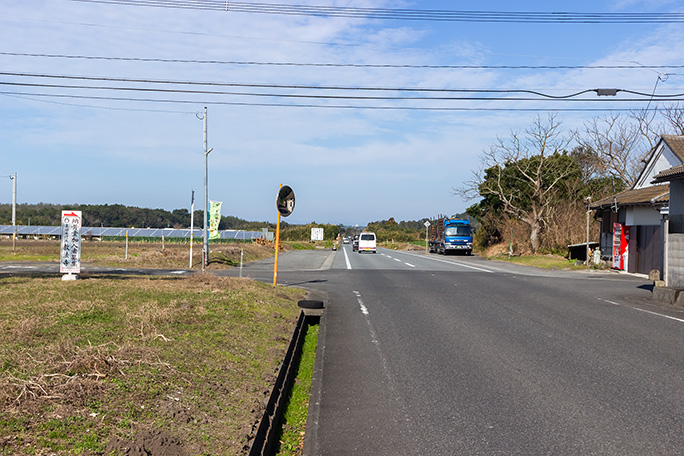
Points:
point(132, 232)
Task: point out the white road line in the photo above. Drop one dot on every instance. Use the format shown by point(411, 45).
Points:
point(391, 382)
point(454, 262)
point(397, 259)
point(346, 258)
point(409, 264)
point(364, 309)
point(643, 310)
point(659, 314)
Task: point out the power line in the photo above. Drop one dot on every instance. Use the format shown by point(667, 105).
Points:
point(181, 32)
point(408, 14)
point(329, 106)
point(29, 96)
point(612, 92)
point(347, 65)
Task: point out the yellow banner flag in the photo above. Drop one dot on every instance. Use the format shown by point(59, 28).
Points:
point(214, 219)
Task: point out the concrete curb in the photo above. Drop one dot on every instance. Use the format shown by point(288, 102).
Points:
point(671, 296)
point(312, 419)
point(266, 437)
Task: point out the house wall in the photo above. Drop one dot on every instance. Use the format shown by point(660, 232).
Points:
point(675, 236)
point(663, 159)
point(675, 260)
point(642, 216)
point(677, 203)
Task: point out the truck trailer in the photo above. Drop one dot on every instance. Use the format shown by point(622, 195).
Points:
point(447, 235)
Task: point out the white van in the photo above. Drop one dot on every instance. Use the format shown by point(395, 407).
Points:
point(367, 242)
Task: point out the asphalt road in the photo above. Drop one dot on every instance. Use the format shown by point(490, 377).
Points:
point(433, 355)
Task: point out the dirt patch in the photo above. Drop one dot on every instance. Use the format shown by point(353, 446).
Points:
point(148, 443)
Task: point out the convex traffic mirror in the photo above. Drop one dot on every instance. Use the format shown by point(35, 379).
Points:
point(285, 201)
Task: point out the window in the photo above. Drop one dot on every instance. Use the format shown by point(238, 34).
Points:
point(462, 230)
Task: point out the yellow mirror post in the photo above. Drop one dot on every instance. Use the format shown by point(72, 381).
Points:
point(277, 248)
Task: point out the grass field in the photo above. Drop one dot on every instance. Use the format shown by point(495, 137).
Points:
point(136, 365)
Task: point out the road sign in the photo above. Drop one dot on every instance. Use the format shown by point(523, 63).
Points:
point(70, 257)
point(316, 234)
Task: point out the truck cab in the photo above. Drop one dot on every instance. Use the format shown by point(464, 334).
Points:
point(458, 237)
point(448, 235)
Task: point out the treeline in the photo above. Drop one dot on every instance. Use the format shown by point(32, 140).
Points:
point(119, 216)
point(536, 186)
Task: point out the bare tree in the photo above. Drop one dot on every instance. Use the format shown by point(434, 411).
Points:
point(649, 131)
point(674, 118)
point(524, 174)
point(614, 139)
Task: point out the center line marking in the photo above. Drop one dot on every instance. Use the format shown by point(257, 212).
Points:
point(364, 309)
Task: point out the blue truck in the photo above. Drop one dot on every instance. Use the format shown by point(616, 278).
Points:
point(447, 235)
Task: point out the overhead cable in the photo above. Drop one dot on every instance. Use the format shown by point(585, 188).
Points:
point(346, 65)
point(600, 92)
point(408, 14)
point(322, 106)
point(569, 98)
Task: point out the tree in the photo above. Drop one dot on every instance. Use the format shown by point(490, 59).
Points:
point(523, 175)
point(623, 144)
point(674, 118)
point(614, 140)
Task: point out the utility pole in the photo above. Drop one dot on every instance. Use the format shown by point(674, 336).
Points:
point(192, 222)
point(588, 214)
point(205, 248)
point(14, 211)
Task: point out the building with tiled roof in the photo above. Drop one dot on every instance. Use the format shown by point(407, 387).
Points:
point(634, 220)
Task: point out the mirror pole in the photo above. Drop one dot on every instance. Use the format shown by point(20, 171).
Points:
point(277, 248)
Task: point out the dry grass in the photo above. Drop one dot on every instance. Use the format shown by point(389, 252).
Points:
point(165, 365)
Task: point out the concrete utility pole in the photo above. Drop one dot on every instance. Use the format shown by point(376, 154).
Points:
point(14, 211)
point(192, 222)
point(588, 214)
point(205, 248)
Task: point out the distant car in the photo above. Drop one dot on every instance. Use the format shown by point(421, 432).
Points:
point(345, 240)
point(355, 243)
point(367, 242)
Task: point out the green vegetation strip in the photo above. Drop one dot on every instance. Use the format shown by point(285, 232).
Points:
point(542, 261)
point(294, 420)
point(179, 366)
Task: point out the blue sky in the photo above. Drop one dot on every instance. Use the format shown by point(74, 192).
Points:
point(347, 166)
